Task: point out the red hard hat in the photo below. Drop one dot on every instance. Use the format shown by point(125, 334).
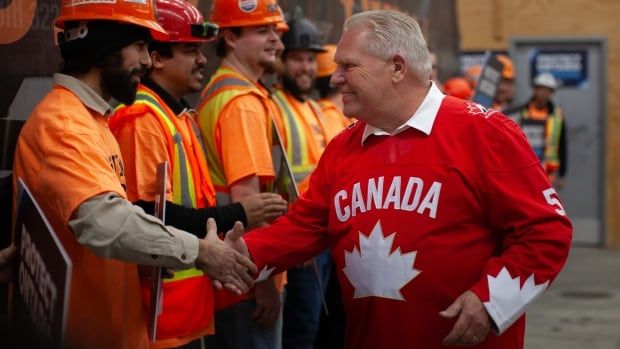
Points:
point(183, 22)
point(458, 87)
point(140, 13)
point(245, 13)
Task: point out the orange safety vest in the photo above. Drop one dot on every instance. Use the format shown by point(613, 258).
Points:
point(188, 296)
point(224, 86)
point(302, 149)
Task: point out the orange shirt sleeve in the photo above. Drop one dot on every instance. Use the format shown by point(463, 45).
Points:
point(143, 145)
point(245, 147)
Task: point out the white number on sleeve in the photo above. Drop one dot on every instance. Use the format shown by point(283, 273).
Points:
point(552, 199)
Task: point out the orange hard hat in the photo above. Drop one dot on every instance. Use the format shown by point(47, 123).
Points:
point(138, 12)
point(325, 61)
point(245, 13)
point(458, 87)
point(509, 70)
point(183, 22)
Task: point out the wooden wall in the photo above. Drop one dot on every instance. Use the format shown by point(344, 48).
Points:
point(489, 24)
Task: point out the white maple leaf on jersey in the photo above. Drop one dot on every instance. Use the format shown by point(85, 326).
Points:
point(264, 274)
point(476, 109)
point(374, 271)
point(508, 298)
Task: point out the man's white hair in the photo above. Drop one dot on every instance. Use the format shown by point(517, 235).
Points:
point(391, 33)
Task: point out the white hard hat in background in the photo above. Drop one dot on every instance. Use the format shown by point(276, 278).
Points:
point(546, 80)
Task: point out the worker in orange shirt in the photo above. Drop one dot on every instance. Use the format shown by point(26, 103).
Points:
point(237, 122)
point(330, 101)
point(160, 127)
point(70, 161)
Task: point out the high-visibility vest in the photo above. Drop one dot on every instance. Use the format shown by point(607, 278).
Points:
point(224, 86)
point(188, 296)
point(302, 150)
point(549, 157)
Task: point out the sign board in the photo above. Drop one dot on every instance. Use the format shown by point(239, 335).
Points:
point(491, 75)
point(156, 281)
point(284, 183)
point(41, 296)
point(569, 67)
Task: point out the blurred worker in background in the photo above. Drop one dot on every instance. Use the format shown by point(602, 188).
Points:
point(160, 127)
point(236, 118)
point(506, 87)
point(71, 162)
point(330, 100)
point(544, 124)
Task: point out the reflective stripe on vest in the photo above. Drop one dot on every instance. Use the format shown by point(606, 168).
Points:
point(181, 173)
point(182, 176)
point(223, 87)
point(553, 126)
point(297, 143)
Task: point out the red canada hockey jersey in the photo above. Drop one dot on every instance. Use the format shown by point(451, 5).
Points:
point(413, 220)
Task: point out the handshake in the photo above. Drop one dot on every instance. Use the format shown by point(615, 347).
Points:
point(226, 262)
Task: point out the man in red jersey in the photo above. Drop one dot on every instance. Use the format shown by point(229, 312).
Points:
point(441, 221)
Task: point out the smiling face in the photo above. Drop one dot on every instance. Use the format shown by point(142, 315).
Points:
point(184, 71)
point(256, 46)
point(299, 71)
point(121, 71)
point(361, 78)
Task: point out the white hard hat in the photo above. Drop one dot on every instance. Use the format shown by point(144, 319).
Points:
point(546, 80)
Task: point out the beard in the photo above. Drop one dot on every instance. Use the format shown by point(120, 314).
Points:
point(291, 86)
point(116, 81)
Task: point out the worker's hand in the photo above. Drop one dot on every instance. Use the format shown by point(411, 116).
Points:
point(6, 266)
point(472, 324)
point(262, 208)
point(225, 266)
point(268, 303)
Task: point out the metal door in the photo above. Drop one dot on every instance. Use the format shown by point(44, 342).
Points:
point(580, 62)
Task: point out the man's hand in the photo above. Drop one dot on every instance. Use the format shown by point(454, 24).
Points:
point(6, 266)
point(262, 208)
point(473, 323)
point(268, 303)
point(224, 265)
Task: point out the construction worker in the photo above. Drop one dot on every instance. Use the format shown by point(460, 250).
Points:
point(236, 119)
point(307, 133)
point(458, 87)
point(506, 87)
point(544, 125)
point(159, 127)
point(70, 161)
point(330, 101)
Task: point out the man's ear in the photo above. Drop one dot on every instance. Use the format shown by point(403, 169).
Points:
point(399, 68)
point(157, 60)
point(229, 37)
